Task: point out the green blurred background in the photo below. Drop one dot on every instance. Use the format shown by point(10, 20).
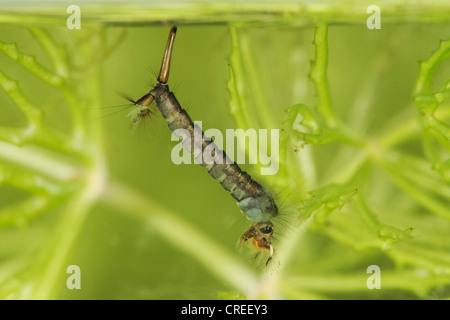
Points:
point(186, 247)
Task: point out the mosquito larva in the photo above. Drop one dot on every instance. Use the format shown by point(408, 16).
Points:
point(255, 202)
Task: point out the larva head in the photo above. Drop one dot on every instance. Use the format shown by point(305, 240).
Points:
point(261, 233)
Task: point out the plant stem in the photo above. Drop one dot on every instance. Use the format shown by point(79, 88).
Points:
point(319, 75)
point(425, 199)
point(30, 63)
point(55, 52)
point(37, 160)
point(65, 234)
point(226, 11)
point(428, 66)
point(239, 107)
point(182, 235)
point(407, 281)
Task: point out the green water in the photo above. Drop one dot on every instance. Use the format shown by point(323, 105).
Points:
point(88, 193)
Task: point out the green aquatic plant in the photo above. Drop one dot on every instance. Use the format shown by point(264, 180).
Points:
point(355, 193)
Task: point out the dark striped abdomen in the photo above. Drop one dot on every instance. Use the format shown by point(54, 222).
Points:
point(253, 199)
